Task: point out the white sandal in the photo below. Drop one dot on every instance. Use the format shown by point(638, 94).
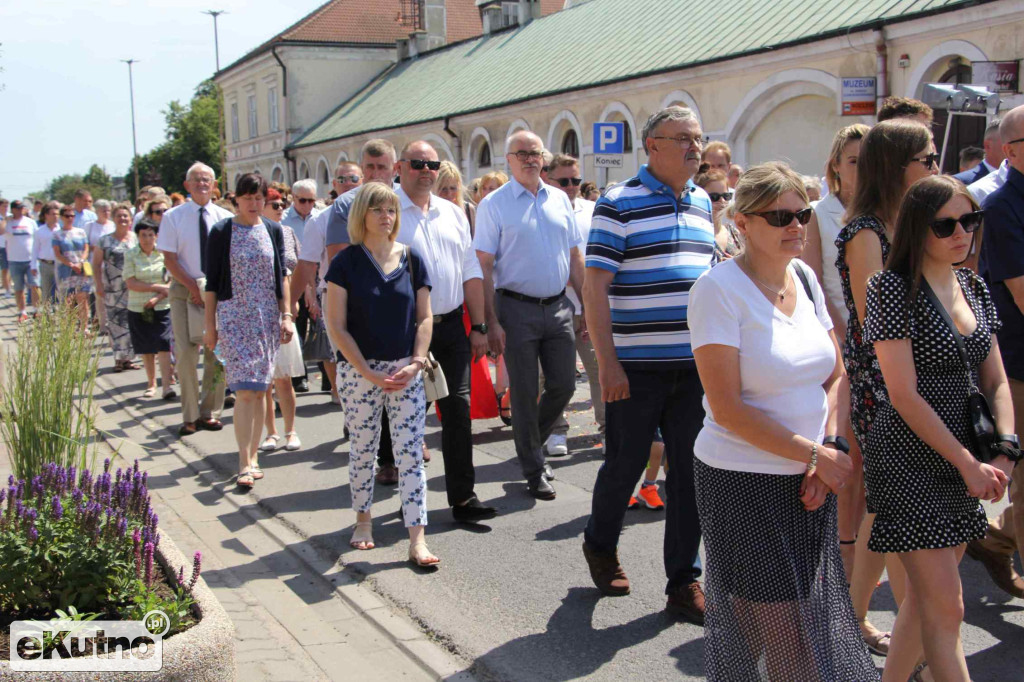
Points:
point(362, 535)
point(421, 556)
point(292, 442)
point(270, 443)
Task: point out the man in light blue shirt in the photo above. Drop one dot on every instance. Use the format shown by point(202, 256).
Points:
point(83, 214)
point(528, 244)
point(297, 217)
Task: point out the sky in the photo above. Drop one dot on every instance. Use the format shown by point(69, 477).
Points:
point(64, 102)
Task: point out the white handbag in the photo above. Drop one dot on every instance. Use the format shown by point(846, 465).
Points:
point(435, 386)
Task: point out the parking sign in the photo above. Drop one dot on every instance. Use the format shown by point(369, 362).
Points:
point(608, 138)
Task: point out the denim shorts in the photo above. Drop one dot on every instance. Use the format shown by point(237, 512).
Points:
point(21, 275)
point(3, 257)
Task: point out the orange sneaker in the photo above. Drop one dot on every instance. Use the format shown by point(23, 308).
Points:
point(633, 503)
point(650, 497)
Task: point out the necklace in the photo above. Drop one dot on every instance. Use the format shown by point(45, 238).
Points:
point(780, 294)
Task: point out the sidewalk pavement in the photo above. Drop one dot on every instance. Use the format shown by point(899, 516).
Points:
point(296, 615)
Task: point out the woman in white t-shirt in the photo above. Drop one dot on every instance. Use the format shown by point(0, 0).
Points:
point(771, 370)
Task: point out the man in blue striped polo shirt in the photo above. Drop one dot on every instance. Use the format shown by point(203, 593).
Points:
point(650, 239)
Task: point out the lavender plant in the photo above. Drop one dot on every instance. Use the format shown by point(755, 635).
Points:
point(71, 538)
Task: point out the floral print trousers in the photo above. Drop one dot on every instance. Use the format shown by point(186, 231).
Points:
point(364, 403)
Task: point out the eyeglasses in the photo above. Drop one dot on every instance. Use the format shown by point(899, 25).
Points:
point(785, 218)
point(929, 161)
point(277, 205)
point(564, 182)
point(303, 200)
point(67, 215)
point(420, 164)
point(947, 226)
point(157, 211)
point(527, 156)
point(341, 178)
point(682, 140)
point(715, 196)
point(1019, 139)
point(383, 210)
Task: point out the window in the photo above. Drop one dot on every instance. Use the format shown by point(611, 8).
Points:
point(627, 138)
point(483, 159)
point(571, 144)
point(234, 121)
point(272, 108)
point(253, 132)
point(509, 14)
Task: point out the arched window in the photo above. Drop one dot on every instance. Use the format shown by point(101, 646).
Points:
point(571, 144)
point(325, 176)
point(304, 171)
point(483, 158)
point(627, 138)
point(277, 175)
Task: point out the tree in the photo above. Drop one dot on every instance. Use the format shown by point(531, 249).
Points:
point(192, 135)
point(63, 188)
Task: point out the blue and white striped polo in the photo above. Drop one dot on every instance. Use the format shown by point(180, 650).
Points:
point(657, 245)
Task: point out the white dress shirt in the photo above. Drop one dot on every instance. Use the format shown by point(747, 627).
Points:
point(179, 233)
point(990, 183)
point(42, 247)
point(583, 209)
point(313, 243)
point(444, 243)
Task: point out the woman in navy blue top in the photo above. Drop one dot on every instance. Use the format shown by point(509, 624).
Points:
point(378, 317)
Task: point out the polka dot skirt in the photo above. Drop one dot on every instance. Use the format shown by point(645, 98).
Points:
point(777, 603)
point(920, 498)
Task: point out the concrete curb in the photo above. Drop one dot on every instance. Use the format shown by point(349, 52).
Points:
point(204, 652)
point(440, 663)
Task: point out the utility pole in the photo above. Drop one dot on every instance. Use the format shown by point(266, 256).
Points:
point(220, 104)
point(135, 149)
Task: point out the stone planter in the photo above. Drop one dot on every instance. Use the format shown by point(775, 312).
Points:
point(205, 651)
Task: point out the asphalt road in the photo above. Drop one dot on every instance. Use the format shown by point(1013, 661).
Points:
point(514, 595)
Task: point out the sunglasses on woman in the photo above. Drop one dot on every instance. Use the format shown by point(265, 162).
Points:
point(420, 164)
point(947, 226)
point(67, 215)
point(785, 218)
point(564, 182)
point(277, 205)
point(715, 196)
point(929, 161)
point(157, 211)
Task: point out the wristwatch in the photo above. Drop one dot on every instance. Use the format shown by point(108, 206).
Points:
point(482, 328)
point(838, 442)
point(1009, 438)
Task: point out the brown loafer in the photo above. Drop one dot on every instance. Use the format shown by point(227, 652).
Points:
point(210, 424)
point(388, 475)
point(187, 429)
point(606, 572)
point(687, 602)
point(999, 567)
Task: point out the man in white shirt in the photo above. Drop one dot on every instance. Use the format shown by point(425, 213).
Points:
point(20, 232)
point(990, 183)
point(94, 231)
point(182, 240)
point(439, 232)
point(301, 213)
point(993, 156)
point(565, 175)
point(42, 252)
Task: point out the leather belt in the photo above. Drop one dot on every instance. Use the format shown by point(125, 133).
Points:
point(438, 319)
point(531, 299)
point(43, 260)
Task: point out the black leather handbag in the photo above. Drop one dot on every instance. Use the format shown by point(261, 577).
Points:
point(984, 437)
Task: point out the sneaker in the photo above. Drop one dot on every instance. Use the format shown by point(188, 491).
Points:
point(633, 503)
point(556, 446)
point(687, 602)
point(649, 495)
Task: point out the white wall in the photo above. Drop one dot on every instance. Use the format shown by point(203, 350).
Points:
point(799, 132)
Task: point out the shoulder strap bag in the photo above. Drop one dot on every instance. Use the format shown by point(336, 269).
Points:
point(979, 414)
point(435, 386)
point(807, 285)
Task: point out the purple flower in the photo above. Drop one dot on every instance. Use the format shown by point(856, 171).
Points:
point(148, 555)
point(106, 465)
point(19, 509)
point(181, 576)
point(137, 551)
point(31, 515)
point(135, 467)
point(3, 495)
point(33, 534)
point(57, 508)
point(76, 496)
point(10, 480)
point(122, 526)
point(197, 562)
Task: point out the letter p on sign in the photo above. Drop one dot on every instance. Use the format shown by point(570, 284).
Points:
point(608, 138)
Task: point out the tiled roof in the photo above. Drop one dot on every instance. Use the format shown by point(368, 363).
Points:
point(595, 42)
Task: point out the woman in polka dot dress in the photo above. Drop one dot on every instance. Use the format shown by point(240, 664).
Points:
point(924, 481)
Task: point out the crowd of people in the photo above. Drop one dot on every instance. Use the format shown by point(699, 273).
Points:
point(803, 359)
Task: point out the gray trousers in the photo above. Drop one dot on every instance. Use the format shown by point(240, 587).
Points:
point(47, 282)
point(537, 334)
point(586, 352)
point(194, 404)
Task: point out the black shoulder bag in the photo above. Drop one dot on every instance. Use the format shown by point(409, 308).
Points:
point(979, 414)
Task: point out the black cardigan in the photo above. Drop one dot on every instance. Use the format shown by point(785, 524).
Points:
point(218, 258)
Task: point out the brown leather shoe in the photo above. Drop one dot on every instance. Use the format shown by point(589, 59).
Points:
point(210, 424)
point(187, 429)
point(687, 602)
point(999, 567)
point(388, 475)
point(606, 572)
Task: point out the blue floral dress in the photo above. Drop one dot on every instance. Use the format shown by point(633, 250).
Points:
point(72, 244)
point(249, 323)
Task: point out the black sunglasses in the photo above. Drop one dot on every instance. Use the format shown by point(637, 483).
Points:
point(304, 200)
point(785, 218)
point(157, 211)
point(420, 164)
point(947, 226)
point(67, 215)
point(715, 196)
point(929, 161)
point(277, 205)
point(564, 182)
point(343, 178)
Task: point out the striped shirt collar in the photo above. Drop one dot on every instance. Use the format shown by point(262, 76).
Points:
point(657, 186)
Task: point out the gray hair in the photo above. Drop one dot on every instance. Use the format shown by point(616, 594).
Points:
point(378, 147)
point(102, 204)
point(673, 113)
point(992, 128)
point(197, 167)
point(308, 183)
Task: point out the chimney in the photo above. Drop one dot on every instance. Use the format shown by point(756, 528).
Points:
point(528, 11)
point(490, 15)
point(435, 30)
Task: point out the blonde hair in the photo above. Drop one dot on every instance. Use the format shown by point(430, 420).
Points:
point(159, 199)
point(372, 195)
point(762, 185)
point(844, 137)
point(447, 173)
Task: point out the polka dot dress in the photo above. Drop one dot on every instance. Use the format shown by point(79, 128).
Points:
point(777, 603)
point(920, 498)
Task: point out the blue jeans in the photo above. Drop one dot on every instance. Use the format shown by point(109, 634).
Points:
point(671, 400)
point(21, 275)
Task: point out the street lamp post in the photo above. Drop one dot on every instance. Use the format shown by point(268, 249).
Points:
point(135, 149)
point(220, 103)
